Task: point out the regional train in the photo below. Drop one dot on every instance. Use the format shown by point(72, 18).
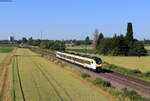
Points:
point(90, 62)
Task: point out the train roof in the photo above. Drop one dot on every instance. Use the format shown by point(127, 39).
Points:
point(82, 55)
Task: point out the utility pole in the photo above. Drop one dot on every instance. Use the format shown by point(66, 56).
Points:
point(41, 35)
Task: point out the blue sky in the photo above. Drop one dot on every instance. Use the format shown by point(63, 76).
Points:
point(73, 19)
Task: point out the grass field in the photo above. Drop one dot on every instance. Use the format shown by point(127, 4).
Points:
point(2, 56)
point(8, 45)
point(142, 63)
point(4, 51)
point(36, 79)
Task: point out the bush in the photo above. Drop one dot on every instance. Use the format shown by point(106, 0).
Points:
point(112, 67)
point(102, 83)
point(147, 74)
point(84, 75)
point(133, 96)
point(136, 71)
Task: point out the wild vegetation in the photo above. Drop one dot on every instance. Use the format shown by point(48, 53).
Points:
point(131, 72)
point(122, 94)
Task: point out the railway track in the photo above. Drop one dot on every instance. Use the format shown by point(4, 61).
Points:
point(117, 80)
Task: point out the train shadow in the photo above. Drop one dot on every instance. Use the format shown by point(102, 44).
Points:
point(106, 71)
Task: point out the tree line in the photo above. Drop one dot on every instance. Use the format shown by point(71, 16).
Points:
point(124, 45)
point(118, 45)
point(44, 44)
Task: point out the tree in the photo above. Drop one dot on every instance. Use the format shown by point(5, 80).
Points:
point(101, 36)
point(87, 40)
point(96, 35)
point(36, 42)
point(137, 49)
point(24, 40)
point(121, 45)
point(53, 45)
point(30, 41)
point(105, 46)
point(129, 34)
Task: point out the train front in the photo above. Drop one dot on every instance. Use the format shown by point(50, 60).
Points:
point(98, 64)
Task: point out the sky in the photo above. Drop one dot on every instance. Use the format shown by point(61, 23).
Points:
point(73, 19)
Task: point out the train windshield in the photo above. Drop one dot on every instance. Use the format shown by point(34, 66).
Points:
point(98, 60)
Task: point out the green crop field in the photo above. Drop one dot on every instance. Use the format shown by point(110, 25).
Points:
point(8, 45)
point(142, 63)
point(36, 79)
point(4, 51)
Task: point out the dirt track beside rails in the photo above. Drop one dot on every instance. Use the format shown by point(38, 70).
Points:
point(117, 80)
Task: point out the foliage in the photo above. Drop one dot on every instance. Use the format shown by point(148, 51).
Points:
point(53, 45)
point(85, 75)
point(134, 73)
point(133, 96)
point(101, 83)
point(82, 50)
point(121, 94)
point(121, 45)
point(24, 40)
point(100, 37)
point(147, 74)
point(136, 49)
point(105, 46)
point(129, 34)
point(147, 42)
point(87, 41)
